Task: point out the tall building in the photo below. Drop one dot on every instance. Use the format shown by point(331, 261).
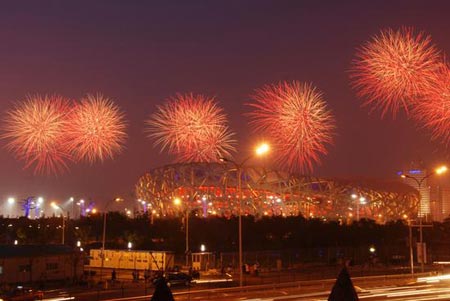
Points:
point(417, 178)
point(440, 196)
point(445, 195)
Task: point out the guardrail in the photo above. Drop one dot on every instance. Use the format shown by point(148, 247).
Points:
point(308, 284)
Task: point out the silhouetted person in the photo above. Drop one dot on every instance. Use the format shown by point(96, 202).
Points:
point(162, 291)
point(343, 289)
point(113, 276)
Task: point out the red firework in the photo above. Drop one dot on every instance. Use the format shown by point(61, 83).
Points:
point(35, 130)
point(192, 127)
point(434, 111)
point(96, 130)
point(296, 119)
point(392, 69)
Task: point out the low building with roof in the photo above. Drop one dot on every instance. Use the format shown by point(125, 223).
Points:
point(39, 263)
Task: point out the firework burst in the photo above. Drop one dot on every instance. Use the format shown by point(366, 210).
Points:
point(296, 119)
point(192, 127)
point(35, 130)
point(392, 69)
point(96, 130)
point(433, 112)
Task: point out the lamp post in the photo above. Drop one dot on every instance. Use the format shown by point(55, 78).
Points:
point(260, 150)
point(439, 170)
point(102, 254)
point(56, 206)
point(11, 202)
point(411, 253)
point(177, 202)
point(71, 200)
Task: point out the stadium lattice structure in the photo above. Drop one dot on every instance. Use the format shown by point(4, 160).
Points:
point(211, 189)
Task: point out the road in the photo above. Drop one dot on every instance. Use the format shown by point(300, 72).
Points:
point(373, 287)
point(417, 291)
point(370, 289)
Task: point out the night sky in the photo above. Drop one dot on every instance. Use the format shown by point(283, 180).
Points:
point(140, 52)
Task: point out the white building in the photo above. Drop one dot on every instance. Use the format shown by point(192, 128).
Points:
point(417, 178)
point(131, 260)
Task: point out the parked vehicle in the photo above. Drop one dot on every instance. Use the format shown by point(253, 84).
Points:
point(21, 293)
point(178, 278)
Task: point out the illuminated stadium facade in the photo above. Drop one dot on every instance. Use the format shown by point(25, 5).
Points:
point(210, 189)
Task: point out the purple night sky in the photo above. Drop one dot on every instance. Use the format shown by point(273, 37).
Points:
point(140, 52)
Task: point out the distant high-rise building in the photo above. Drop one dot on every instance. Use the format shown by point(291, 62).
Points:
point(445, 201)
point(417, 178)
point(440, 198)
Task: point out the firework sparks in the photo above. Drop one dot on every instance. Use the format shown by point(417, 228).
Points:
point(392, 69)
point(433, 112)
point(35, 131)
point(96, 130)
point(192, 127)
point(297, 121)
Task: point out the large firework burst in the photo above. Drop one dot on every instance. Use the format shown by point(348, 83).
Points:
point(296, 119)
point(433, 112)
point(392, 69)
point(192, 127)
point(35, 130)
point(96, 130)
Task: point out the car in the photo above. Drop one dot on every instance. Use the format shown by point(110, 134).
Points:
point(21, 293)
point(178, 278)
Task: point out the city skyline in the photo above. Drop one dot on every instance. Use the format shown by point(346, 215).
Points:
point(139, 55)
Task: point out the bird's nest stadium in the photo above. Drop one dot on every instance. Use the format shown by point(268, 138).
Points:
point(214, 189)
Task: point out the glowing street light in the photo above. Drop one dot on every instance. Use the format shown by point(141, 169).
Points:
point(361, 200)
point(440, 170)
point(262, 149)
point(102, 254)
point(259, 151)
point(11, 201)
point(177, 201)
point(72, 201)
point(82, 210)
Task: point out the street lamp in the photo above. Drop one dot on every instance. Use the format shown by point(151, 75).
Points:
point(177, 202)
point(361, 200)
point(11, 202)
point(411, 256)
point(440, 170)
point(72, 200)
point(56, 206)
point(259, 151)
point(102, 255)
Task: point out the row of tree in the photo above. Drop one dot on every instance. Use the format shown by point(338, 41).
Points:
point(314, 236)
